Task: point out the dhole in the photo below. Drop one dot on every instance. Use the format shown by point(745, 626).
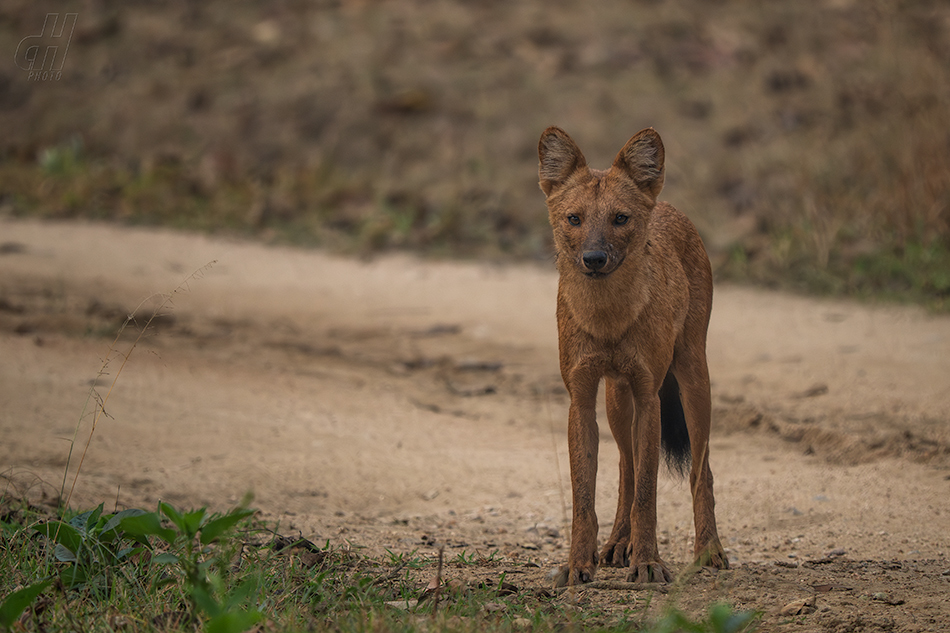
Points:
point(633, 305)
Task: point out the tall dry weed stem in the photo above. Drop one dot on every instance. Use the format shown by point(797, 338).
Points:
point(114, 353)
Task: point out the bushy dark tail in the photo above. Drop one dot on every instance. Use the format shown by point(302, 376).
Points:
point(674, 436)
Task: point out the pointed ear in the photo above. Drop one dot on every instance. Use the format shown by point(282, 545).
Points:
point(642, 160)
point(560, 158)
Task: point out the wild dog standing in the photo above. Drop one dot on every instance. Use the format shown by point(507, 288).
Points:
point(633, 307)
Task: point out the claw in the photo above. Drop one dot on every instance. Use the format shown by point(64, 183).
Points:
point(566, 576)
point(616, 554)
point(713, 555)
point(655, 572)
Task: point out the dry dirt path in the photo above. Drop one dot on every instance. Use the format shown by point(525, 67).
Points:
point(398, 403)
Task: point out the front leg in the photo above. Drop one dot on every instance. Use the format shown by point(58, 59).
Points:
point(615, 552)
point(582, 442)
point(645, 563)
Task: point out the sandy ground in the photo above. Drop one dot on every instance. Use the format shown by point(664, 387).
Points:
point(403, 404)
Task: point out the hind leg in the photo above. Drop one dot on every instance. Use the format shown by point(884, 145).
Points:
point(692, 373)
point(645, 563)
point(620, 419)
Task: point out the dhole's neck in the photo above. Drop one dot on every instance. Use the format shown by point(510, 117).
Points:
point(606, 308)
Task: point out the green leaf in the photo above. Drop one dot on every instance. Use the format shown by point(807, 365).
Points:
point(213, 529)
point(14, 604)
point(79, 521)
point(62, 534)
point(93, 519)
point(116, 519)
point(63, 555)
point(676, 622)
point(725, 620)
point(193, 521)
point(128, 552)
point(73, 576)
point(108, 525)
point(205, 601)
point(141, 526)
point(166, 558)
point(739, 622)
point(234, 621)
point(87, 520)
point(173, 515)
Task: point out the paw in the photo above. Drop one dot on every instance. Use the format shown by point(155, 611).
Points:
point(616, 553)
point(649, 573)
point(581, 564)
point(566, 576)
point(579, 570)
point(712, 555)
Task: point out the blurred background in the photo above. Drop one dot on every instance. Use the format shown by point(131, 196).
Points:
point(809, 141)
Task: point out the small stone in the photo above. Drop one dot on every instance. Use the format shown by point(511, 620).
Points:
point(799, 607)
point(887, 599)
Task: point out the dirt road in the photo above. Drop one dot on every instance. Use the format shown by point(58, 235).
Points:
point(398, 403)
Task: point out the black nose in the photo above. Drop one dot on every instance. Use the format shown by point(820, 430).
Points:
point(595, 260)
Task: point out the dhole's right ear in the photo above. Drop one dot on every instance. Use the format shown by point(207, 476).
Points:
point(560, 158)
point(642, 159)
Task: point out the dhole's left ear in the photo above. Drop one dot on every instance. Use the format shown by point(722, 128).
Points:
point(641, 159)
point(560, 158)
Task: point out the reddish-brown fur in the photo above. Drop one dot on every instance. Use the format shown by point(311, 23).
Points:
point(633, 304)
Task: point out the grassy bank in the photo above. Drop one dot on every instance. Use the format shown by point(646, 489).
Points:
point(809, 142)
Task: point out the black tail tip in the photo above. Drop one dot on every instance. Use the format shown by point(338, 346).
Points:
point(674, 435)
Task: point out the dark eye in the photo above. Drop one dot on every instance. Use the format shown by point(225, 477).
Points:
point(574, 220)
point(621, 219)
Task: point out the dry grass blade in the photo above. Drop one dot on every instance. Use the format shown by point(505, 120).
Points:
point(95, 396)
point(438, 582)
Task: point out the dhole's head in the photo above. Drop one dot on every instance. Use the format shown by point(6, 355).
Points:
point(600, 217)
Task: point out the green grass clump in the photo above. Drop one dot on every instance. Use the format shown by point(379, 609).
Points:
point(172, 570)
point(142, 567)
